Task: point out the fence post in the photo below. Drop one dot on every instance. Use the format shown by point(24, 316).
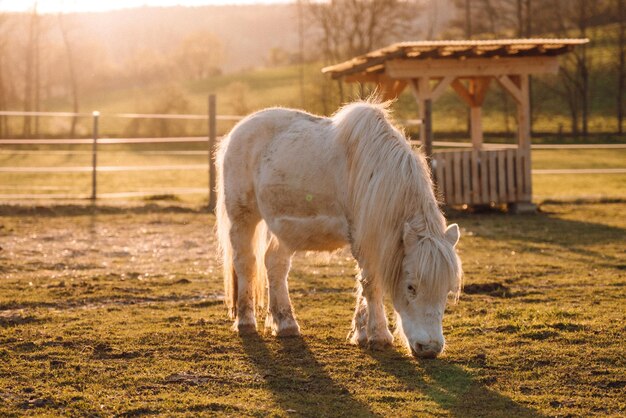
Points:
point(428, 128)
point(212, 141)
point(94, 156)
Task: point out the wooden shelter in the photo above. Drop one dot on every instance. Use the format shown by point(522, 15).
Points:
point(474, 176)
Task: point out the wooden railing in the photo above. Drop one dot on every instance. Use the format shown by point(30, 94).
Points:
point(471, 177)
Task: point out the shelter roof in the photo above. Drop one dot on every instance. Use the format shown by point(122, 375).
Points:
point(374, 62)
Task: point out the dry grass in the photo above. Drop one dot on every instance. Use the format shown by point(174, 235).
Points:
point(117, 311)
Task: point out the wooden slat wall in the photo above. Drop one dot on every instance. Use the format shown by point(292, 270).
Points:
point(493, 179)
point(501, 172)
point(470, 177)
point(466, 177)
point(511, 195)
point(456, 172)
point(475, 196)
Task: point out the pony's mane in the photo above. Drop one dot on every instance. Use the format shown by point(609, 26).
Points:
point(389, 185)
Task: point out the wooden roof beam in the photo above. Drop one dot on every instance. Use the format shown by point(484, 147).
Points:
point(362, 78)
point(511, 87)
point(463, 92)
point(369, 62)
point(471, 67)
point(479, 87)
point(441, 87)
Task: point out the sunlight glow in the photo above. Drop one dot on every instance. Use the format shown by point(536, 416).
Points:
point(69, 6)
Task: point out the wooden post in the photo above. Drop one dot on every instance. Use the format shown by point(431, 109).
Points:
point(476, 126)
point(428, 128)
point(523, 120)
point(94, 156)
point(212, 142)
point(420, 90)
point(523, 114)
point(524, 204)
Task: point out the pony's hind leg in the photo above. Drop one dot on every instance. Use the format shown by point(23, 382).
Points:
point(244, 263)
point(280, 316)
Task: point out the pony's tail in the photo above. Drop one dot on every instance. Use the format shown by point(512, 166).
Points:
point(259, 245)
point(226, 251)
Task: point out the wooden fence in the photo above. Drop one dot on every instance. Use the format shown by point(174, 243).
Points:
point(471, 177)
point(496, 174)
point(211, 117)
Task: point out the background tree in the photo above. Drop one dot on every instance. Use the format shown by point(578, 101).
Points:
point(620, 9)
point(524, 18)
point(31, 71)
point(355, 27)
point(64, 27)
point(348, 28)
point(4, 99)
point(200, 55)
point(575, 17)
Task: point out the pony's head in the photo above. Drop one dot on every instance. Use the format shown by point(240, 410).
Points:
point(431, 271)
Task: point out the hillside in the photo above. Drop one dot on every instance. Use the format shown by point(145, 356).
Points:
point(247, 32)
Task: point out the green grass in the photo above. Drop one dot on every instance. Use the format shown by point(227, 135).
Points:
point(118, 312)
point(578, 158)
point(561, 186)
point(571, 187)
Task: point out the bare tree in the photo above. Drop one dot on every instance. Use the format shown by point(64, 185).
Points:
point(200, 55)
point(37, 70)
point(621, 62)
point(468, 19)
point(354, 27)
point(433, 18)
point(576, 16)
point(3, 90)
point(31, 62)
point(524, 18)
point(72, 69)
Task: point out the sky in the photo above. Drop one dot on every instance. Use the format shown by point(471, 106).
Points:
point(56, 6)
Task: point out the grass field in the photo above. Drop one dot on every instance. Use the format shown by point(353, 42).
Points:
point(561, 186)
point(118, 311)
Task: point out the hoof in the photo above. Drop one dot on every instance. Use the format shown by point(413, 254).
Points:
point(358, 338)
point(378, 345)
point(246, 329)
point(291, 331)
point(282, 325)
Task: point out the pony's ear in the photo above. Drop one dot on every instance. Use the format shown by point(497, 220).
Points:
point(453, 234)
point(413, 230)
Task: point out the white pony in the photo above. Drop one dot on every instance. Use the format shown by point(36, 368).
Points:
point(290, 181)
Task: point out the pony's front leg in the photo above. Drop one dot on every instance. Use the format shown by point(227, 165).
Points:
point(280, 317)
point(358, 333)
point(378, 334)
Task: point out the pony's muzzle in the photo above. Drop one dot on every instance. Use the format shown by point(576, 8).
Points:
point(430, 350)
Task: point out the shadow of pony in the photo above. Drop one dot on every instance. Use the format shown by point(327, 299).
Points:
point(451, 387)
point(298, 382)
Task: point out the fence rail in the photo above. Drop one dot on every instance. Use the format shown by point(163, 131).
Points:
point(82, 141)
point(211, 117)
point(121, 115)
point(116, 168)
point(447, 167)
point(441, 144)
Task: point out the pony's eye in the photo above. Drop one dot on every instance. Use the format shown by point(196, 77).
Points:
point(411, 289)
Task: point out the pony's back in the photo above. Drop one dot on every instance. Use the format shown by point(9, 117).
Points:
point(238, 159)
